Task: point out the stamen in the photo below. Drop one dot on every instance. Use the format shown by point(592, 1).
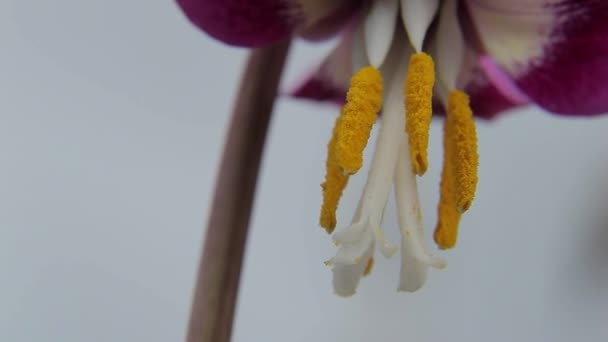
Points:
point(418, 103)
point(466, 158)
point(335, 182)
point(446, 231)
point(363, 102)
point(459, 174)
point(368, 268)
point(349, 137)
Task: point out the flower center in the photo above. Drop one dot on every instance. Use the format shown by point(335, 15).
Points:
point(401, 154)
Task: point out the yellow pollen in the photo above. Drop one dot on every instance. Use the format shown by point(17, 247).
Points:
point(368, 268)
point(418, 103)
point(348, 140)
point(465, 156)
point(459, 174)
point(335, 182)
point(363, 102)
point(446, 231)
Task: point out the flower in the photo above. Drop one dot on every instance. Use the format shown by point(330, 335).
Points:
point(406, 58)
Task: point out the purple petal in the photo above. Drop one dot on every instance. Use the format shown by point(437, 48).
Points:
point(335, 20)
point(256, 23)
point(330, 81)
point(244, 22)
point(488, 101)
point(491, 90)
point(502, 81)
point(320, 90)
point(573, 76)
point(554, 50)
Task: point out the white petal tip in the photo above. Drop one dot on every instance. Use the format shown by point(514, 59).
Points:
point(413, 280)
point(341, 260)
point(349, 235)
point(376, 57)
point(388, 251)
point(410, 287)
point(379, 28)
point(417, 16)
point(344, 294)
point(438, 263)
point(433, 261)
point(346, 279)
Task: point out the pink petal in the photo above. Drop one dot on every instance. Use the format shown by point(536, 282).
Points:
point(502, 81)
point(256, 23)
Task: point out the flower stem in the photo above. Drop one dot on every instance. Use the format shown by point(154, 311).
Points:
point(219, 271)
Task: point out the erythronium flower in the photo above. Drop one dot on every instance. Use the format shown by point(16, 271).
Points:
point(502, 53)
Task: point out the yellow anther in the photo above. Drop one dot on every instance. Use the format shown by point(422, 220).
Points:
point(446, 231)
point(418, 103)
point(465, 155)
point(363, 102)
point(335, 182)
point(369, 266)
point(349, 137)
point(459, 174)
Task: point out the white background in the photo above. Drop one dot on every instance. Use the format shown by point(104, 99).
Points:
point(112, 116)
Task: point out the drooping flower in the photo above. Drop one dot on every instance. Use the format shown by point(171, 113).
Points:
point(406, 58)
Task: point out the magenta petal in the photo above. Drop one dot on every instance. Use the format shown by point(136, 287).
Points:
point(555, 51)
point(252, 23)
point(320, 90)
point(487, 101)
point(244, 22)
point(572, 78)
point(341, 15)
point(330, 81)
point(503, 82)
